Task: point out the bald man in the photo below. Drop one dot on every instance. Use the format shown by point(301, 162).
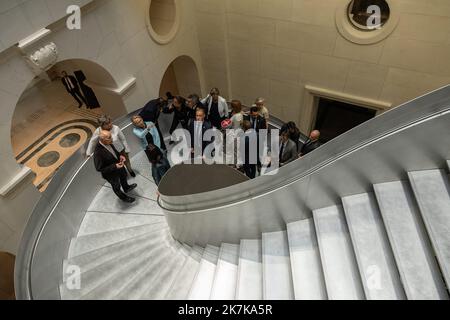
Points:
point(311, 144)
point(111, 165)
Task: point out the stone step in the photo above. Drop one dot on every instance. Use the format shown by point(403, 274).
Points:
point(432, 191)
point(99, 222)
point(412, 250)
point(183, 282)
point(202, 285)
point(85, 244)
point(224, 285)
point(336, 253)
point(277, 275)
point(307, 274)
point(250, 275)
point(377, 267)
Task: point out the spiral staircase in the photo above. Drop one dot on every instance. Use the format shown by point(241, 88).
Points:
point(389, 240)
point(391, 243)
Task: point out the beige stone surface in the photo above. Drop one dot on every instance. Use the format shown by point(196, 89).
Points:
point(366, 79)
point(314, 12)
point(415, 55)
point(280, 64)
point(326, 71)
point(367, 53)
point(423, 27)
point(260, 30)
point(306, 37)
point(280, 9)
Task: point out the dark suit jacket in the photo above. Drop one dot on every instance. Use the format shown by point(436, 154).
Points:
point(309, 146)
point(289, 152)
point(206, 126)
point(74, 82)
point(151, 111)
point(260, 122)
point(105, 162)
point(182, 114)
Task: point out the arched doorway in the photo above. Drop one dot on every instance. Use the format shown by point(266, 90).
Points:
point(49, 126)
point(181, 78)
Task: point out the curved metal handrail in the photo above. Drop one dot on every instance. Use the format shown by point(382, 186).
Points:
point(319, 180)
point(43, 214)
point(409, 113)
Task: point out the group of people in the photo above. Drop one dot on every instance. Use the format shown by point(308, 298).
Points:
point(111, 151)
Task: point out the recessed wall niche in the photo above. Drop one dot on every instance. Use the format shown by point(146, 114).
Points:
point(163, 20)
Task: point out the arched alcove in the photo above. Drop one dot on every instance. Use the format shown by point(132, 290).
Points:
point(181, 78)
point(48, 127)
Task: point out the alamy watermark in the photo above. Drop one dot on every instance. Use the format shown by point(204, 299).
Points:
point(73, 22)
point(232, 147)
point(374, 21)
point(72, 277)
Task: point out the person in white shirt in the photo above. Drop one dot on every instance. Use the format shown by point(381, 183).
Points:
point(217, 108)
point(119, 141)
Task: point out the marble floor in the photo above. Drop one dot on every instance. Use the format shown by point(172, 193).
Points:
point(52, 132)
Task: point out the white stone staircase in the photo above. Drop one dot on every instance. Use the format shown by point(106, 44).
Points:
point(390, 243)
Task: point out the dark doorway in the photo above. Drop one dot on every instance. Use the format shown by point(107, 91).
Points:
point(335, 118)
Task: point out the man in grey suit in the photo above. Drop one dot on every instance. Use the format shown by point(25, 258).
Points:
point(288, 149)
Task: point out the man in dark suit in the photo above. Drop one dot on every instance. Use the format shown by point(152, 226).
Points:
point(151, 113)
point(197, 130)
point(257, 122)
point(311, 144)
point(111, 164)
point(248, 160)
point(72, 87)
point(193, 103)
point(288, 149)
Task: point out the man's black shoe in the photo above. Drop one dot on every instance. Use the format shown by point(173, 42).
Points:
point(129, 200)
point(131, 188)
point(133, 174)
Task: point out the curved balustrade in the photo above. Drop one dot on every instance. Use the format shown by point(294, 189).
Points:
point(380, 150)
point(411, 137)
point(56, 219)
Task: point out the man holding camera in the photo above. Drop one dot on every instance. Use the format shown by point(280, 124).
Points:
point(111, 164)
